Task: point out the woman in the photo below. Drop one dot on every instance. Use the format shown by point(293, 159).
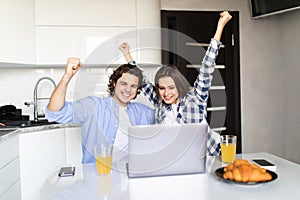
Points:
point(171, 95)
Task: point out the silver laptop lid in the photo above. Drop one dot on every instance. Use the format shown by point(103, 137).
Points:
point(158, 150)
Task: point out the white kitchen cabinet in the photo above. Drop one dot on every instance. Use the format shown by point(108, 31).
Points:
point(47, 32)
point(41, 153)
point(79, 28)
point(73, 145)
point(17, 22)
point(97, 45)
point(9, 168)
point(93, 30)
point(86, 13)
point(14, 192)
point(94, 45)
point(149, 31)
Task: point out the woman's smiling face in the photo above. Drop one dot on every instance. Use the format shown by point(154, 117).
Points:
point(168, 90)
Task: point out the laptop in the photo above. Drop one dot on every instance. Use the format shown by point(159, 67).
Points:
point(166, 149)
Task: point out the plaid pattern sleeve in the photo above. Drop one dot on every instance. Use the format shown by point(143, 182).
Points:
point(149, 92)
point(148, 89)
point(202, 85)
point(203, 81)
point(213, 143)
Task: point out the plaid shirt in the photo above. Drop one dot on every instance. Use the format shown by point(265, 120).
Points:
point(191, 108)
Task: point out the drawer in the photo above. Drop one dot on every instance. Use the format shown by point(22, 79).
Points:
point(13, 193)
point(9, 149)
point(9, 175)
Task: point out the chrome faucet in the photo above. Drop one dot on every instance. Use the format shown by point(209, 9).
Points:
point(36, 98)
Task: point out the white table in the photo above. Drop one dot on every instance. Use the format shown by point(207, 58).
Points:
point(87, 185)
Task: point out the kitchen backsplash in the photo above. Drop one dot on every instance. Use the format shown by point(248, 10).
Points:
point(17, 84)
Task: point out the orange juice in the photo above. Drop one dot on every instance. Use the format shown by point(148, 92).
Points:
point(228, 152)
point(103, 164)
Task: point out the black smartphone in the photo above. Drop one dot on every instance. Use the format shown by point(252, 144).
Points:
point(66, 171)
point(265, 164)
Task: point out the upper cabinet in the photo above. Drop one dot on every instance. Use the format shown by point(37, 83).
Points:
point(17, 39)
point(86, 13)
point(93, 45)
point(80, 28)
point(93, 30)
point(46, 33)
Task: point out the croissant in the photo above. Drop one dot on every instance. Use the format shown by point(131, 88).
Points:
point(243, 171)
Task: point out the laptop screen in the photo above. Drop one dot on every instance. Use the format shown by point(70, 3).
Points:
point(158, 150)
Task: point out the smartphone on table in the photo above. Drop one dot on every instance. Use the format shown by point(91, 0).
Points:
point(265, 164)
point(66, 171)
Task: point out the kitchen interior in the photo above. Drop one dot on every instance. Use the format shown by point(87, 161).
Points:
point(38, 36)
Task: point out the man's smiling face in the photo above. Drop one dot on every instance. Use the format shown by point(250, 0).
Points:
point(126, 89)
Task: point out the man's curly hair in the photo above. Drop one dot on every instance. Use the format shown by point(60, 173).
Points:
point(117, 73)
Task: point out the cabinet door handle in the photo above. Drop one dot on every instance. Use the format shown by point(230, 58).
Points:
point(197, 44)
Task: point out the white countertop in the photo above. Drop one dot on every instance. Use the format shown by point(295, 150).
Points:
point(87, 185)
point(9, 132)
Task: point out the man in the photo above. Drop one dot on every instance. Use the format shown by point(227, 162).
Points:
point(103, 120)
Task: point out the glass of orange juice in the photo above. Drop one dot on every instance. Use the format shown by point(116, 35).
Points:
point(104, 185)
point(228, 148)
point(103, 157)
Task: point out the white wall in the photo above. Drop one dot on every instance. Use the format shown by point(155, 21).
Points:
point(290, 32)
point(269, 98)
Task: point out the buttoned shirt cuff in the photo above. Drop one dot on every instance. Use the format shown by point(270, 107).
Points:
point(132, 63)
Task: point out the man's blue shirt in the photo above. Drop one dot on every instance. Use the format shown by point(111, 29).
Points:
point(99, 118)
